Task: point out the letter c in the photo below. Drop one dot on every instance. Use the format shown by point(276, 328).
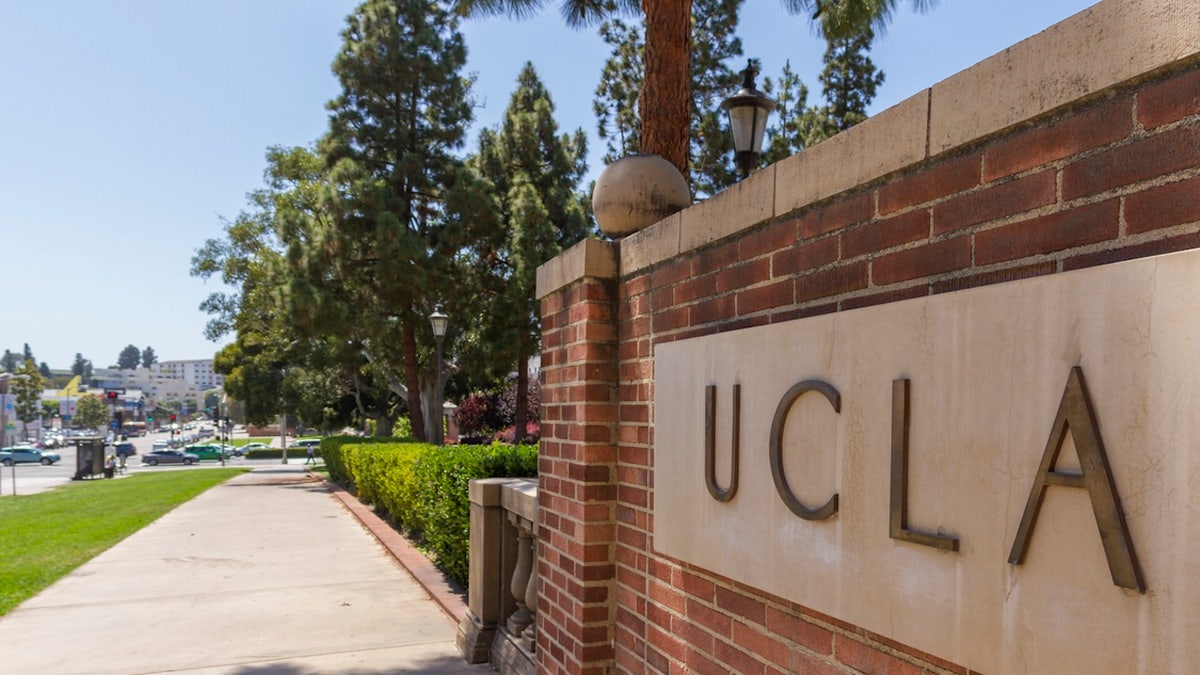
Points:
point(776, 451)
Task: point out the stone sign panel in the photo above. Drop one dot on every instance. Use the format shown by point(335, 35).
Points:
point(1005, 477)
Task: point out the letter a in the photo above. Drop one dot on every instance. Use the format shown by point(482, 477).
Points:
point(1075, 414)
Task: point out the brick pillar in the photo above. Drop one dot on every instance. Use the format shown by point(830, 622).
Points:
point(577, 466)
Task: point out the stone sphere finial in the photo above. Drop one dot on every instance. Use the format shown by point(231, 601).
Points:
point(637, 191)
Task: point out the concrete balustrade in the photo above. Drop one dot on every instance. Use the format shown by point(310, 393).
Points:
point(501, 622)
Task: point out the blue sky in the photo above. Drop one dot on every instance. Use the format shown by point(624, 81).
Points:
point(130, 128)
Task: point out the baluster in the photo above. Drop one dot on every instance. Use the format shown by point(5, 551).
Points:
point(531, 599)
point(522, 617)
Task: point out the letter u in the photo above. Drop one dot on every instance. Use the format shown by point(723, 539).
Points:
point(710, 443)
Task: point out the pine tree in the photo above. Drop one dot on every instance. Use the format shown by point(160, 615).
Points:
point(402, 114)
point(532, 175)
point(129, 358)
point(148, 357)
point(715, 44)
point(78, 366)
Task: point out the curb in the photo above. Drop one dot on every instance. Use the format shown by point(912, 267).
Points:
point(444, 592)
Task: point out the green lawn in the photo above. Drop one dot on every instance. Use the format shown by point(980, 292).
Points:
point(47, 535)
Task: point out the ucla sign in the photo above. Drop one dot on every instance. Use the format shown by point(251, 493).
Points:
point(1005, 477)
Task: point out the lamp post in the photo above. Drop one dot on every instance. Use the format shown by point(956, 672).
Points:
point(4, 379)
point(748, 111)
point(438, 321)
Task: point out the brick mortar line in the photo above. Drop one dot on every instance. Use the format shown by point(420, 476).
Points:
point(443, 591)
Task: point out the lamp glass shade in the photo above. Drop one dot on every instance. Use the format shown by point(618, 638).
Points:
point(438, 321)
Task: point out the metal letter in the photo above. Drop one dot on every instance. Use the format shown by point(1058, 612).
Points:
point(1075, 414)
point(781, 412)
point(898, 516)
point(710, 443)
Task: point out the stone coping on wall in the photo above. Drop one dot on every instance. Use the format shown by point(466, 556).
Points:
point(1110, 43)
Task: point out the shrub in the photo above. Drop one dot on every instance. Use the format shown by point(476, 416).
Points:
point(533, 432)
point(423, 488)
point(472, 414)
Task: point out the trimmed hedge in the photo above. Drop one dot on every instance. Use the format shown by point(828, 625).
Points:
point(423, 488)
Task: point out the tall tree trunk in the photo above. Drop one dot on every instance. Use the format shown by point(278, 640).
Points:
point(665, 104)
point(412, 382)
point(519, 416)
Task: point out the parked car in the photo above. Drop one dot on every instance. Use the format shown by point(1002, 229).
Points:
point(206, 451)
point(125, 448)
point(169, 457)
point(24, 454)
point(255, 446)
point(307, 443)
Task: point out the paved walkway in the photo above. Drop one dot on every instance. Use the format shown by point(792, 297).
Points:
point(267, 573)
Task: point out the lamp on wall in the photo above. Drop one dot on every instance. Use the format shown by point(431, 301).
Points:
point(748, 111)
point(438, 321)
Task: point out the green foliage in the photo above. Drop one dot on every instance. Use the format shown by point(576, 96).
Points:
point(26, 387)
point(129, 358)
point(80, 364)
point(149, 358)
point(49, 409)
point(90, 412)
point(425, 488)
point(47, 535)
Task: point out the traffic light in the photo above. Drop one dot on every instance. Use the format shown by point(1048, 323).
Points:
point(112, 395)
point(149, 418)
point(172, 417)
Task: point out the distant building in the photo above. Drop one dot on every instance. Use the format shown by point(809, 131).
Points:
point(196, 371)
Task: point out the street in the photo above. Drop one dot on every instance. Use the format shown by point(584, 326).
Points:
point(33, 478)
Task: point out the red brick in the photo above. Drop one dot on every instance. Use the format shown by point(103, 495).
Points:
point(768, 239)
point(715, 258)
point(716, 621)
point(751, 609)
point(712, 310)
point(1162, 207)
point(741, 276)
point(671, 319)
point(869, 660)
point(634, 286)
point(924, 261)
point(1095, 127)
point(804, 257)
point(940, 180)
point(795, 628)
point(1154, 157)
point(766, 646)
point(1005, 199)
point(1169, 101)
point(692, 634)
point(831, 282)
point(885, 297)
point(811, 665)
point(1184, 242)
point(697, 287)
point(697, 586)
point(1047, 234)
point(738, 661)
point(699, 664)
point(672, 273)
point(886, 233)
point(837, 215)
point(765, 297)
point(995, 277)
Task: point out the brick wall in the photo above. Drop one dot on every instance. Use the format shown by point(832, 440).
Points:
point(1112, 177)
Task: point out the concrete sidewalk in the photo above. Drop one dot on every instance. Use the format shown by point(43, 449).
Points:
point(266, 573)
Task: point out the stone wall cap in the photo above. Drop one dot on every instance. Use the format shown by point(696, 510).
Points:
point(589, 258)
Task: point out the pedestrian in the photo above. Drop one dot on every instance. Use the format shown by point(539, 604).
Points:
point(110, 465)
point(312, 456)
